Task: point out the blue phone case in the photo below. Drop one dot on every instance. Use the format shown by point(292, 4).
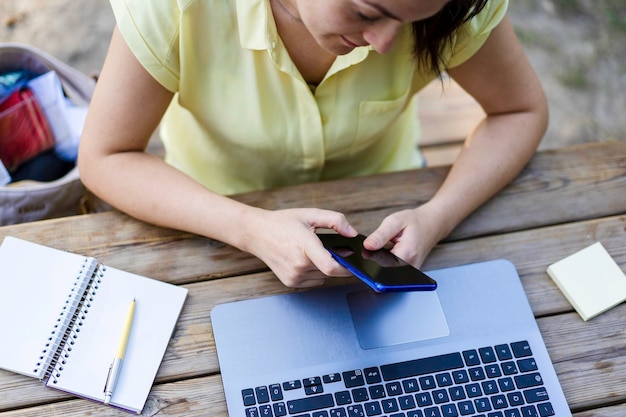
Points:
point(399, 277)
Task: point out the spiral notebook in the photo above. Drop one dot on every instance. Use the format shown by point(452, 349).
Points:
point(63, 314)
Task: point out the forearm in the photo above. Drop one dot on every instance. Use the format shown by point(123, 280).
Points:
point(491, 157)
point(150, 190)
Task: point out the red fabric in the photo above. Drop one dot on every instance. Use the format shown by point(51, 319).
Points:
point(24, 129)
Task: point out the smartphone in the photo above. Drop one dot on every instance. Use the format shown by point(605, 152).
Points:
point(381, 270)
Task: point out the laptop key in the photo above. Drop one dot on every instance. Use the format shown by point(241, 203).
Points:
point(504, 352)
point(457, 393)
point(262, 395)
point(289, 385)
point(493, 371)
point(460, 376)
point(444, 379)
point(309, 382)
point(527, 365)
point(499, 402)
point(432, 412)
point(280, 409)
point(376, 391)
point(276, 393)
point(407, 402)
point(490, 387)
point(521, 349)
point(449, 410)
point(343, 397)
point(477, 374)
point(535, 395)
point(248, 397)
point(466, 408)
point(515, 398)
point(545, 409)
point(424, 399)
point(422, 366)
point(487, 354)
point(427, 382)
point(356, 411)
point(353, 378)
point(330, 378)
point(473, 390)
point(529, 411)
point(390, 405)
point(314, 389)
point(303, 405)
point(265, 411)
point(359, 395)
point(509, 368)
point(528, 380)
point(338, 412)
point(252, 412)
point(482, 404)
point(394, 388)
point(506, 384)
point(471, 357)
point(372, 375)
point(410, 385)
point(373, 408)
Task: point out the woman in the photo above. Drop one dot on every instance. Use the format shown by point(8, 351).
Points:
point(253, 94)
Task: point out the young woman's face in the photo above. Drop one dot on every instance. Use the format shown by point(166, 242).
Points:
point(339, 26)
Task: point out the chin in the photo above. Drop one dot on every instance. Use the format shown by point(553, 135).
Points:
point(337, 48)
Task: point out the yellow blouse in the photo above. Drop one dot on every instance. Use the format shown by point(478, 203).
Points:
point(243, 118)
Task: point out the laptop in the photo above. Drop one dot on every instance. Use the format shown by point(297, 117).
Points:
point(470, 348)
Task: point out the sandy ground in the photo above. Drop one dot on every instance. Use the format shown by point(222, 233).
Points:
point(578, 48)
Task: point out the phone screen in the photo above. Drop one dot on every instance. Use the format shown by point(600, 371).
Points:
point(381, 270)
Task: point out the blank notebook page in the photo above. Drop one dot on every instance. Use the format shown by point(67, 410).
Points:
point(156, 313)
point(34, 286)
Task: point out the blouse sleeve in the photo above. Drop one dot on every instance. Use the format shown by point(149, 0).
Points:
point(471, 36)
point(151, 28)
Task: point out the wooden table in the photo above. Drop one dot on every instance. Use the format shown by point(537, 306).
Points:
point(563, 201)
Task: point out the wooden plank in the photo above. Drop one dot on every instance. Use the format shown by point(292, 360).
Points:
point(199, 397)
point(588, 356)
point(178, 257)
point(191, 352)
point(579, 182)
point(577, 355)
point(610, 411)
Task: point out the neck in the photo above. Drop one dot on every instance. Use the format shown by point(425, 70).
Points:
point(289, 11)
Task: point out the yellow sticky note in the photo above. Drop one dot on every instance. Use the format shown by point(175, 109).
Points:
point(591, 280)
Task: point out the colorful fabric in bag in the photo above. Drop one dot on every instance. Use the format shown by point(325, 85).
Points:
point(26, 201)
point(24, 129)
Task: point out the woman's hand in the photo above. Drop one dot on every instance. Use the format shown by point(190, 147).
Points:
point(413, 233)
point(286, 242)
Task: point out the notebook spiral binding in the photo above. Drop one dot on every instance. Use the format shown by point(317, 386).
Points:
point(67, 328)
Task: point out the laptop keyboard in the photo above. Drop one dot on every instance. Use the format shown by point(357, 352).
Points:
point(493, 381)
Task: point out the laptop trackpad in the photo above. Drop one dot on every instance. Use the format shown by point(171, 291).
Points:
point(394, 318)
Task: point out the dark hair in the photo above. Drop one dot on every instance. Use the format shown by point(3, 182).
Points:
point(430, 36)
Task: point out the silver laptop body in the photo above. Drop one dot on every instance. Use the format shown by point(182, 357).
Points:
point(472, 347)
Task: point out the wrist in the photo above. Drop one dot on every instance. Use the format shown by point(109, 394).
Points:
point(247, 226)
point(439, 218)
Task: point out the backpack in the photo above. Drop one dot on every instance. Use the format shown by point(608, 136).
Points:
point(32, 200)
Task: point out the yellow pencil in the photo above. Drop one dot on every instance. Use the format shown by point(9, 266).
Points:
point(116, 366)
